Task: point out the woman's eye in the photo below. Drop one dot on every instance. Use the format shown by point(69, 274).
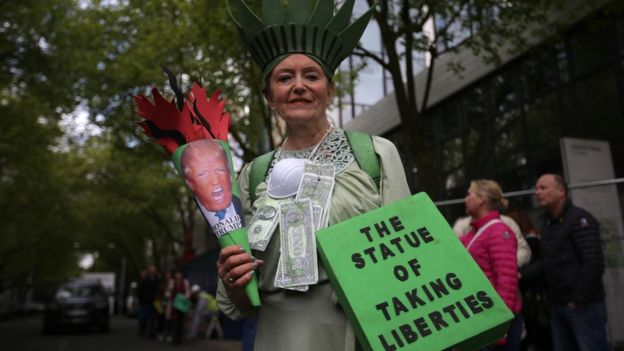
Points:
point(312, 77)
point(283, 78)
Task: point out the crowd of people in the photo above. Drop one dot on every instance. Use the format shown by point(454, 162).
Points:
point(171, 310)
point(551, 277)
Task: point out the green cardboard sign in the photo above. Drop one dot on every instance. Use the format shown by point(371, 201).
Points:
point(406, 282)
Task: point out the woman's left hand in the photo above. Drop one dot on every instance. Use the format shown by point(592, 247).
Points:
point(235, 268)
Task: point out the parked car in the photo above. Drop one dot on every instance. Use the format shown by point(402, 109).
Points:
point(79, 303)
point(8, 305)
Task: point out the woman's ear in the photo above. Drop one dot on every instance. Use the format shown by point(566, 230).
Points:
point(482, 199)
point(331, 89)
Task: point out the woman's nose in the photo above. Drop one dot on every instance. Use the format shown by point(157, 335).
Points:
point(299, 86)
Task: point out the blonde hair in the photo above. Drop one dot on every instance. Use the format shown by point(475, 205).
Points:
point(492, 192)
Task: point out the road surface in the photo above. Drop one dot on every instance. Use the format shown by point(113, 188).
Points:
point(24, 334)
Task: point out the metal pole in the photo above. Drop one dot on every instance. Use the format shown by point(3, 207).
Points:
point(532, 191)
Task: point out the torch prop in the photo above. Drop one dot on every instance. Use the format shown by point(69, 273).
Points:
point(193, 130)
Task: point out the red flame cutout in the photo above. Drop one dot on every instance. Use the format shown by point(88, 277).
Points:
point(173, 128)
point(211, 111)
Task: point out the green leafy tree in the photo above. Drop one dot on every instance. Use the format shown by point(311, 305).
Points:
point(128, 197)
point(126, 44)
point(34, 192)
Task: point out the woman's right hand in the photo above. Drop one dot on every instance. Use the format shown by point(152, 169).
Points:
point(235, 268)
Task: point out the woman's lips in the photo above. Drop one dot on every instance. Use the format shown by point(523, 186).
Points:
point(300, 101)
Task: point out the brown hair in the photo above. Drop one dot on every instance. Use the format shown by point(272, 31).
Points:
point(492, 192)
point(523, 220)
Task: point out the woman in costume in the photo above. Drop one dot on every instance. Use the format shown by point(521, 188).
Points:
point(298, 49)
point(493, 246)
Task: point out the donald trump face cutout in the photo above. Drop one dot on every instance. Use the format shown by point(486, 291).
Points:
point(207, 173)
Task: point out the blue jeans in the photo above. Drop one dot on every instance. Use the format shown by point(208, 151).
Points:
point(582, 328)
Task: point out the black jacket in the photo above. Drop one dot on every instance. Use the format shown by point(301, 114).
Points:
point(572, 261)
point(147, 290)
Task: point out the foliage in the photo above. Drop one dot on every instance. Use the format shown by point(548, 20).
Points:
point(34, 216)
point(64, 194)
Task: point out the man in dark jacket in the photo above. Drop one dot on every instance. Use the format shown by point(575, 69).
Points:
point(572, 264)
point(146, 292)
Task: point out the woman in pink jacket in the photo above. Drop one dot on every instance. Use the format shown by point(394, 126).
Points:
point(493, 246)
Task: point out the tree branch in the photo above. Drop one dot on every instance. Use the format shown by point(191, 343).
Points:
point(409, 60)
point(430, 70)
point(362, 52)
point(443, 33)
point(389, 38)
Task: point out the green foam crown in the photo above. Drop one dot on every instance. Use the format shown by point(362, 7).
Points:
point(297, 28)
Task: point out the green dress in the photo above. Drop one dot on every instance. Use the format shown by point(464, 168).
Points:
point(312, 320)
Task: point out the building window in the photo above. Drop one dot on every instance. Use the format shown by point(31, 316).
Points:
point(599, 108)
point(543, 128)
point(478, 151)
point(504, 92)
point(592, 46)
point(475, 105)
point(540, 73)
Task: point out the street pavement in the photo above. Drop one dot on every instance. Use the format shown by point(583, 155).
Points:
point(24, 334)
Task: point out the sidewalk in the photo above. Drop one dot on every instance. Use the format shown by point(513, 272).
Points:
point(219, 345)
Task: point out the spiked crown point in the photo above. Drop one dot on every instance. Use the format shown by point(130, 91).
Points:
point(300, 28)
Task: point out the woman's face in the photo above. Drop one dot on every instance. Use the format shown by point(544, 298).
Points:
point(299, 90)
point(473, 201)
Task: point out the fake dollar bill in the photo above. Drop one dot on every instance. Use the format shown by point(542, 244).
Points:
point(317, 184)
point(324, 170)
point(263, 223)
point(317, 212)
point(298, 260)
